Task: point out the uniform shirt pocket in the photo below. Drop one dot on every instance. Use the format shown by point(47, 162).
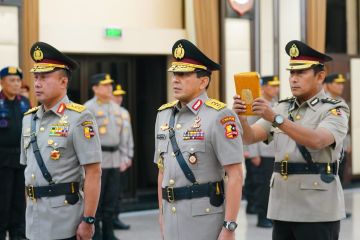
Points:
point(314, 184)
point(203, 207)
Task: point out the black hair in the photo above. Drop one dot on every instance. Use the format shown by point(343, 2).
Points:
point(204, 73)
point(318, 68)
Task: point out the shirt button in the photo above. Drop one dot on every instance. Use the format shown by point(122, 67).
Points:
point(207, 210)
point(42, 129)
point(171, 182)
point(65, 201)
point(173, 154)
point(33, 176)
point(178, 126)
point(50, 142)
point(316, 183)
point(297, 117)
point(173, 209)
point(192, 149)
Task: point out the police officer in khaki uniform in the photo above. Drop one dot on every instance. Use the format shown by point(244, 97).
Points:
point(334, 88)
point(12, 109)
point(197, 140)
point(112, 138)
point(61, 150)
point(262, 156)
point(306, 198)
point(118, 94)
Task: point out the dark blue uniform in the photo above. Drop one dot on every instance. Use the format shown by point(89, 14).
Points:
point(12, 199)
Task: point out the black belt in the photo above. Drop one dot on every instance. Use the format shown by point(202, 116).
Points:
point(109, 148)
point(172, 194)
point(52, 190)
point(285, 168)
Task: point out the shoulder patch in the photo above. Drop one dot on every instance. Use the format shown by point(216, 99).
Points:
point(215, 104)
point(330, 100)
point(288, 99)
point(75, 107)
point(168, 105)
point(34, 109)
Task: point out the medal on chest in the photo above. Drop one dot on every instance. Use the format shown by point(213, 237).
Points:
point(192, 158)
point(55, 153)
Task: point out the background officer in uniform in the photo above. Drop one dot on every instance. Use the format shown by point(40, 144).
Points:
point(61, 150)
point(12, 109)
point(262, 156)
point(334, 88)
point(118, 94)
point(108, 118)
point(306, 198)
point(197, 140)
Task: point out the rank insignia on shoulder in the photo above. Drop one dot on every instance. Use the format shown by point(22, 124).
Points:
point(288, 99)
point(215, 104)
point(89, 132)
point(330, 100)
point(227, 119)
point(167, 105)
point(336, 111)
point(231, 131)
point(85, 123)
point(75, 107)
point(34, 109)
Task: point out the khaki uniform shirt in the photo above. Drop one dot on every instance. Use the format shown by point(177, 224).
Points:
point(51, 217)
point(305, 197)
point(214, 136)
point(261, 149)
point(127, 129)
point(110, 123)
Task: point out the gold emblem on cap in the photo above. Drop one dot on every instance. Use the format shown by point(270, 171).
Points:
point(179, 52)
point(12, 70)
point(107, 77)
point(38, 54)
point(294, 51)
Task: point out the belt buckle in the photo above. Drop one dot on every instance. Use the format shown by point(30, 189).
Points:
point(170, 194)
point(31, 192)
point(284, 169)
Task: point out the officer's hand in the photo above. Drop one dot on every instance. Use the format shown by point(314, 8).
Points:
point(128, 163)
point(238, 105)
point(226, 235)
point(122, 167)
point(85, 231)
point(256, 161)
point(262, 108)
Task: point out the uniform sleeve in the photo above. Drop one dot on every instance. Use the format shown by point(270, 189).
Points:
point(336, 121)
point(86, 140)
point(22, 149)
point(156, 153)
point(254, 150)
point(123, 145)
point(130, 141)
point(226, 138)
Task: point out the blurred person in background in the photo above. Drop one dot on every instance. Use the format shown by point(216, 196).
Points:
point(12, 109)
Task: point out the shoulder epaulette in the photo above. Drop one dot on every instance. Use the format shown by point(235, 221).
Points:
point(289, 99)
point(31, 110)
point(330, 100)
point(168, 105)
point(75, 107)
point(215, 104)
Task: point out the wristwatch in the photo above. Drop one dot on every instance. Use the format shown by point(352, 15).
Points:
point(229, 225)
point(89, 220)
point(278, 120)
